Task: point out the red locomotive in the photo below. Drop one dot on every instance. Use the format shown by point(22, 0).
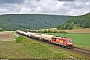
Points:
point(62, 41)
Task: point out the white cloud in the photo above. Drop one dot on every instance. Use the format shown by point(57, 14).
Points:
point(3, 10)
point(60, 4)
point(77, 12)
point(80, 8)
point(57, 7)
point(24, 10)
point(38, 10)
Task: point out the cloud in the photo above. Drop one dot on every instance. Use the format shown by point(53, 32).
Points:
point(77, 12)
point(56, 7)
point(3, 10)
point(10, 1)
point(66, 0)
point(25, 10)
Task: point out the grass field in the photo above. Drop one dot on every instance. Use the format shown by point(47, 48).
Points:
point(79, 39)
point(80, 30)
point(32, 49)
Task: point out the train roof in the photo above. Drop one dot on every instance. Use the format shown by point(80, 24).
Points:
point(62, 37)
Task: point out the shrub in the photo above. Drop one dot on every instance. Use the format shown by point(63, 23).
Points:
point(62, 32)
point(1, 29)
point(19, 39)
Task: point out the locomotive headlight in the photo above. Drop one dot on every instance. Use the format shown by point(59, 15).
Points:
point(70, 43)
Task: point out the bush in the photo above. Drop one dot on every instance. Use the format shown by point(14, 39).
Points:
point(62, 32)
point(19, 39)
point(1, 29)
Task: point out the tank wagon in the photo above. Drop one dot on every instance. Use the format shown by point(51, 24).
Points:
point(20, 32)
point(61, 41)
point(32, 35)
point(38, 36)
point(47, 37)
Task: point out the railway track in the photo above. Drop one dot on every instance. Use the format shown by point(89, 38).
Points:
point(77, 50)
point(80, 51)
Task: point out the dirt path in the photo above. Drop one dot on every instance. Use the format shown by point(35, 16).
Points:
point(6, 36)
point(16, 34)
point(80, 51)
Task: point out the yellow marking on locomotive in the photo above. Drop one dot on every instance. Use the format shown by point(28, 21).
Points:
point(61, 41)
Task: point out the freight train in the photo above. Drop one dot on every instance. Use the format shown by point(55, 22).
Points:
point(61, 41)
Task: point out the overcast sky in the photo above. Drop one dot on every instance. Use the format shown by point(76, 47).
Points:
point(56, 7)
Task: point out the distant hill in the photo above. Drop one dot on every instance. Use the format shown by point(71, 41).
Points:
point(30, 21)
point(82, 21)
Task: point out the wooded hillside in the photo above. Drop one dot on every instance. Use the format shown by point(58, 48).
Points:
point(82, 21)
point(30, 21)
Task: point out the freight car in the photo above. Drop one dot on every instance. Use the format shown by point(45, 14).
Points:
point(38, 36)
point(46, 37)
point(32, 35)
point(20, 32)
point(61, 41)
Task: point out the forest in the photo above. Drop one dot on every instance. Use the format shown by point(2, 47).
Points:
point(36, 21)
point(75, 22)
point(30, 21)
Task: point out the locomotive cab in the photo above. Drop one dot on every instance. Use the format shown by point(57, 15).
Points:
point(69, 43)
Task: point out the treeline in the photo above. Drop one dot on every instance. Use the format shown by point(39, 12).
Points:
point(65, 26)
point(75, 22)
point(30, 21)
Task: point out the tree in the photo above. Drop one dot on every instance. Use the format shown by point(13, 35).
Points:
point(1, 29)
point(60, 27)
point(45, 31)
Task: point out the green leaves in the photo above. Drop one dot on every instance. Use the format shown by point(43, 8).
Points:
point(30, 21)
point(77, 21)
point(19, 39)
point(65, 26)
